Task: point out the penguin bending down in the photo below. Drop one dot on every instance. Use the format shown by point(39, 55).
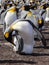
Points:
point(21, 35)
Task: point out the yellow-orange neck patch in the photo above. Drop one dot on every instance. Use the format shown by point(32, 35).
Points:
point(12, 10)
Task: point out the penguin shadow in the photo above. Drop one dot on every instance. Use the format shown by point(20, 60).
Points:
point(25, 61)
point(17, 61)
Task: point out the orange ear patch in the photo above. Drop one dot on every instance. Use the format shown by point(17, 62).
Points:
point(6, 35)
point(29, 14)
point(40, 21)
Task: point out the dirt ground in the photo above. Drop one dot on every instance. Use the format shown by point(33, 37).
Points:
point(40, 54)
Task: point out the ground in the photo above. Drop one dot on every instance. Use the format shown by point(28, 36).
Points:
point(40, 54)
